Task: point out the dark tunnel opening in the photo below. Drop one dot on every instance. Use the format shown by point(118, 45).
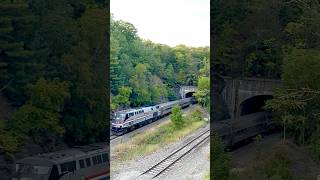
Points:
point(189, 94)
point(254, 104)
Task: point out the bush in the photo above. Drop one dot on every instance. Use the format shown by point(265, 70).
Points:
point(176, 117)
point(197, 114)
point(220, 162)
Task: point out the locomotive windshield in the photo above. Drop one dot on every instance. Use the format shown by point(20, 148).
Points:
point(119, 117)
point(28, 171)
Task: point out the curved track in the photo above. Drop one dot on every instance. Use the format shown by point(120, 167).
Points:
point(164, 165)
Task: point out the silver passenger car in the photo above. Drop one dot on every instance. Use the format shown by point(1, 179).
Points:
point(89, 162)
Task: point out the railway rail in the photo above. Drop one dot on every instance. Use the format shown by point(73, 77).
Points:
point(112, 137)
point(168, 162)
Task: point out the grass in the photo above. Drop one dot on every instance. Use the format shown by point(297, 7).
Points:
point(207, 176)
point(155, 138)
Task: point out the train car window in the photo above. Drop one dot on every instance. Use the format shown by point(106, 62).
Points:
point(81, 162)
point(68, 166)
point(99, 159)
point(105, 157)
point(94, 160)
point(88, 162)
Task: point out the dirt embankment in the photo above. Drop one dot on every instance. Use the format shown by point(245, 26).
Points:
point(302, 165)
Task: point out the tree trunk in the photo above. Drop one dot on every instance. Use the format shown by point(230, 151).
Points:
point(284, 134)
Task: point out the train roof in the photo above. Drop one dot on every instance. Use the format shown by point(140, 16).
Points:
point(171, 102)
point(161, 105)
point(65, 155)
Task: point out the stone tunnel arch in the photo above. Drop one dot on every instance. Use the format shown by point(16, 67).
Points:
point(189, 94)
point(253, 104)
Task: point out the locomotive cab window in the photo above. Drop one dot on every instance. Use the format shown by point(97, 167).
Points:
point(68, 166)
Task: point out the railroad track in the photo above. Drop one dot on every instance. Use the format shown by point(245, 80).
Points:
point(164, 165)
point(112, 137)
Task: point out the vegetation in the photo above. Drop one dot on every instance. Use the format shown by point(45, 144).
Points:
point(207, 176)
point(203, 92)
point(154, 139)
point(219, 160)
point(153, 72)
point(275, 166)
point(176, 117)
point(297, 104)
point(52, 62)
point(274, 39)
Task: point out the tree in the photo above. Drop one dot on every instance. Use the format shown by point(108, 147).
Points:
point(219, 160)
point(122, 99)
point(40, 117)
point(16, 63)
point(176, 117)
point(203, 92)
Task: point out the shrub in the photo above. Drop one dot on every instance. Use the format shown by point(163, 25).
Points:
point(197, 114)
point(176, 117)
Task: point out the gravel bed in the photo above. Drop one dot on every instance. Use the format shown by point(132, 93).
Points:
point(132, 169)
point(192, 167)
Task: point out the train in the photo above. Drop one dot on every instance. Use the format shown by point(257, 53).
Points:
point(126, 120)
point(235, 131)
point(90, 162)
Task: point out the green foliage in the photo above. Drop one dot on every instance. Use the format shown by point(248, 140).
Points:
point(16, 63)
point(300, 68)
point(40, 117)
point(203, 92)
point(220, 164)
point(275, 166)
point(176, 117)
point(48, 95)
point(315, 143)
point(153, 71)
point(197, 114)
point(52, 65)
point(274, 39)
point(122, 99)
point(9, 142)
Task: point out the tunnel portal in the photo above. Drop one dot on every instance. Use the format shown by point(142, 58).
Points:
point(253, 104)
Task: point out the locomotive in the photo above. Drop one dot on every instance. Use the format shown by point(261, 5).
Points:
point(125, 120)
point(90, 162)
